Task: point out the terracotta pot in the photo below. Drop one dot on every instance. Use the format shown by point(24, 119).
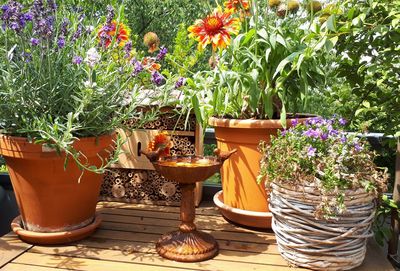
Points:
point(239, 173)
point(51, 199)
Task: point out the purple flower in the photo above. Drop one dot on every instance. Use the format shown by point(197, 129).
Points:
point(61, 42)
point(52, 5)
point(77, 60)
point(34, 42)
point(294, 122)
point(311, 151)
point(357, 147)
point(311, 133)
point(77, 34)
point(128, 49)
point(157, 78)
point(343, 139)
point(27, 57)
point(342, 121)
point(324, 136)
point(110, 15)
point(181, 82)
point(64, 27)
point(28, 16)
point(162, 53)
point(138, 67)
point(12, 16)
point(284, 132)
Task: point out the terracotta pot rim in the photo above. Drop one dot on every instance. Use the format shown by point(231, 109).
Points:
point(253, 123)
point(238, 211)
point(80, 139)
point(51, 238)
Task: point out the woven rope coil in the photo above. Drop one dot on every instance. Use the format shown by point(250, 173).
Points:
point(304, 241)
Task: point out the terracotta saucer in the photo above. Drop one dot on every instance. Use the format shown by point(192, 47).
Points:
point(261, 220)
point(52, 238)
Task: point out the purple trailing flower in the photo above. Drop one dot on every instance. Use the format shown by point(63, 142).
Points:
point(324, 136)
point(157, 78)
point(163, 52)
point(34, 42)
point(61, 42)
point(128, 49)
point(77, 60)
point(342, 121)
point(343, 139)
point(311, 151)
point(357, 147)
point(312, 133)
point(284, 132)
point(294, 122)
point(181, 82)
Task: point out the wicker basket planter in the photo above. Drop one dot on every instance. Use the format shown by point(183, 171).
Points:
point(335, 244)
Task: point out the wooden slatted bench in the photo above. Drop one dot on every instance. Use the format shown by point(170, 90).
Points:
point(127, 236)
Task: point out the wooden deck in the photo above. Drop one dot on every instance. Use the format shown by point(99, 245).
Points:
point(127, 236)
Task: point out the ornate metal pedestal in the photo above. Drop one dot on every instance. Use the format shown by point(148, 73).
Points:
point(187, 244)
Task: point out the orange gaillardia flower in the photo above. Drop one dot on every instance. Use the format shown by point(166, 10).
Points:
point(152, 41)
point(237, 5)
point(162, 142)
point(216, 29)
point(118, 30)
point(150, 64)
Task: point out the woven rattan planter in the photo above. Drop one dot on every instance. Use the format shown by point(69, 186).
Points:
point(338, 244)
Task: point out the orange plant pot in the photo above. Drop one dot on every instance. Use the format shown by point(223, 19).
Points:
point(244, 201)
point(57, 205)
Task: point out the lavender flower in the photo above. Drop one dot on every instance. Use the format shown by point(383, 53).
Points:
point(181, 82)
point(357, 147)
point(52, 5)
point(61, 42)
point(110, 15)
point(77, 60)
point(311, 151)
point(64, 27)
point(77, 34)
point(163, 52)
point(138, 68)
point(157, 78)
point(128, 49)
point(27, 57)
point(34, 42)
point(92, 57)
point(12, 16)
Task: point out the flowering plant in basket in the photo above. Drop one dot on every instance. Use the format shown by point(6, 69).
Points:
point(323, 191)
point(64, 76)
point(321, 155)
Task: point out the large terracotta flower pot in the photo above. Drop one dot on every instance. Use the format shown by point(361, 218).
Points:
point(57, 205)
point(243, 200)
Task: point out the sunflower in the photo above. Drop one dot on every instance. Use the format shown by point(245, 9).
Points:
point(161, 141)
point(237, 5)
point(216, 29)
point(119, 31)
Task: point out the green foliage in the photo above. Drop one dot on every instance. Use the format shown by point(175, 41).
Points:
point(365, 78)
point(51, 97)
point(319, 155)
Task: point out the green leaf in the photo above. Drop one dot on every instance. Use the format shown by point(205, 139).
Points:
point(249, 36)
point(331, 23)
point(366, 104)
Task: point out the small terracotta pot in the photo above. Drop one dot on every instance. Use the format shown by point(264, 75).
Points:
point(50, 198)
point(239, 173)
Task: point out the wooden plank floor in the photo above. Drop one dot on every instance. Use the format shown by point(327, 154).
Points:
point(127, 236)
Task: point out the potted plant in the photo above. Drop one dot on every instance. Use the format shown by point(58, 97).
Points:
point(65, 86)
point(267, 70)
point(324, 188)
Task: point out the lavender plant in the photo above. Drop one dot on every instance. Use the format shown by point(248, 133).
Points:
point(63, 75)
point(320, 154)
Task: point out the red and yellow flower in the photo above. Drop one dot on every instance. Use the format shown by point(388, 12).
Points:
point(237, 5)
point(216, 29)
point(162, 142)
point(119, 31)
point(150, 64)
